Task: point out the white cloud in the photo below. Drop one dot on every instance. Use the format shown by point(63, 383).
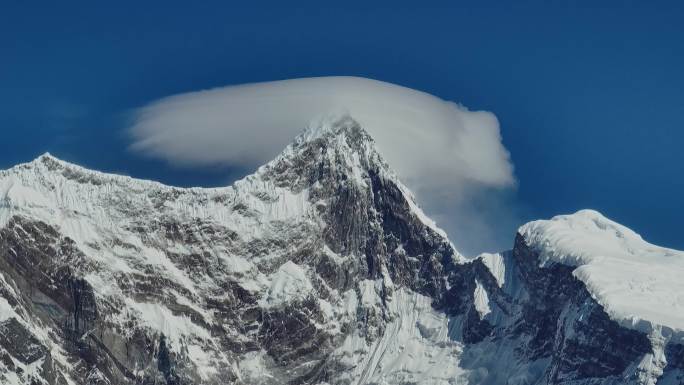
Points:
point(442, 150)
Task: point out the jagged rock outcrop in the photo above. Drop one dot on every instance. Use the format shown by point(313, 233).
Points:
point(318, 269)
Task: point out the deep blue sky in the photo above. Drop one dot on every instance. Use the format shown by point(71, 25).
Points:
point(590, 99)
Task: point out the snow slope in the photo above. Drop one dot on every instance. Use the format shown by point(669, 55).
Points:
point(639, 284)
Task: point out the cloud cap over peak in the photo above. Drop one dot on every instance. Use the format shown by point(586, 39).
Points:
point(424, 138)
point(439, 148)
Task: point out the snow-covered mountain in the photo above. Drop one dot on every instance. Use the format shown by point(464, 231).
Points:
point(320, 268)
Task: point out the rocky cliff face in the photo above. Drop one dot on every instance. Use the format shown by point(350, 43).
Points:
point(318, 269)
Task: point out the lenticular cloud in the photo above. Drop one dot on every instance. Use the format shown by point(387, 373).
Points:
point(439, 148)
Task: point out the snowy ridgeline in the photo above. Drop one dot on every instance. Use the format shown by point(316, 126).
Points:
point(319, 268)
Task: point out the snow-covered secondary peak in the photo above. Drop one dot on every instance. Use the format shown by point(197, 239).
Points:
point(46, 156)
point(48, 166)
point(47, 161)
point(639, 284)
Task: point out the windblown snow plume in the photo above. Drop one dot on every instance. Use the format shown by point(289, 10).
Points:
point(442, 150)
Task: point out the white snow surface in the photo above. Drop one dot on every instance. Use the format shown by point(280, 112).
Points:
point(288, 284)
point(481, 300)
point(496, 265)
point(640, 285)
point(415, 348)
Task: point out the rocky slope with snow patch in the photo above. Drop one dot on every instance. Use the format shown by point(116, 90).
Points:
point(319, 268)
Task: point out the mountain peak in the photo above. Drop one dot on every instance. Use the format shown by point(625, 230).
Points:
point(338, 155)
point(54, 162)
point(46, 158)
point(45, 155)
point(342, 134)
point(336, 145)
point(47, 161)
point(332, 126)
point(47, 167)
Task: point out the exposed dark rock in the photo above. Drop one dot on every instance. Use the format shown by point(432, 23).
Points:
point(20, 342)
